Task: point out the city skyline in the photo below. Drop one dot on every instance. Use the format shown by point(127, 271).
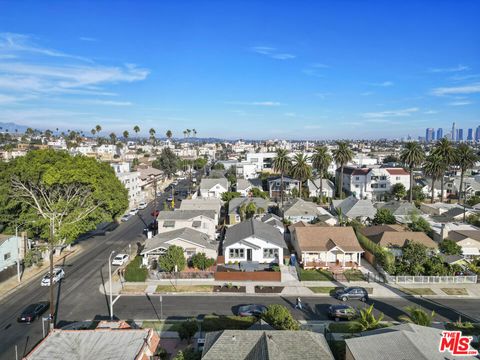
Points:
point(321, 71)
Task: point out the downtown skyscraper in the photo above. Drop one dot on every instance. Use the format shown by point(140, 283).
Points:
point(429, 134)
point(439, 133)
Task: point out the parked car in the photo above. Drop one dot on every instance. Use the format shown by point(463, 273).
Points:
point(142, 205)
point(251, 310)
point(58, 274)
point(133, 212)
point(120, 259)
point(341, 311)
point(125, 217)
point(352, 293)
point(33, 311)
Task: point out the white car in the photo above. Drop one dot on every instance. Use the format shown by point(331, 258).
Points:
point(133, 212)
point(120, 259)
point(58, 274)
point(125, 217)
point(142, 205)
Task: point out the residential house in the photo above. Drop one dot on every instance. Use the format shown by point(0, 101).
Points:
point(213, 188)
point(211, 204)
point(457, 213)
point(149, 178)
point(191, 241)
point(244, 187)
point(265, 345)
point(373, 183)
point(301, 210)
point(400, 209)
point(324, 247)
point(237, 208)
point(314, 188)
point(426, 187)
point(274, 186)
point(252, 240)
point(9, 250)
point(394, 237)
point(275, 221)
point(201, 220)
point(119, 344)
point(468, 240)
point(246, 170)
point(438, 208)
point(354, 209)
point(404, 341)
point(131, 181)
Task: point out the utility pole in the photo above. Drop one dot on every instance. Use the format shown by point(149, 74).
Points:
point(52, 306)
point(18, 251)
point(154, 204)
point(110, 282)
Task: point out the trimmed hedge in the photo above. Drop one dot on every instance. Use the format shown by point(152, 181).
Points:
point(383, 257)
point(135, 272)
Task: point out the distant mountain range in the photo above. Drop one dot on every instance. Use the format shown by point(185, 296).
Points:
point(11, 127)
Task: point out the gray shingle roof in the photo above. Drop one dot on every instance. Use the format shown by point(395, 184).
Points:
point(235, 204)
point(265, 345)
point(254, 228)
point(90, 344)
point(398, 208)
point(185, 214)
point(191, 235)
point(352, 207)
point(243, 184)
point(207, 184)
point(300, 207)
point(406, 342)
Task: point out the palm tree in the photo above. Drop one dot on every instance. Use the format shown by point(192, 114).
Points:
point(465, 158)
point(418, 316)
point(301, 170)
point(445, 149)
point(194, 133)
point(125, 135)
point(282, 164)
point(98, 128)
point(412, 155)
point(93, 132)
point(188, 133)
point(434, 167)
point(152, 134)
point(367, 320)
point(113, 138)
point(136, 128)
point(321, 159)
point(169, 134)
point(184, 134)
point(342, 155)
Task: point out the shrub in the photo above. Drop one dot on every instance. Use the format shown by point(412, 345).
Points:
point(134, 270)
point(201, 262)
point(279, 317)
point(173, 256)
point(187, 329)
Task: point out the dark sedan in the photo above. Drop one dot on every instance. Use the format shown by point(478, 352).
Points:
point(251, 310)
point(33, 311)
point(338, 312)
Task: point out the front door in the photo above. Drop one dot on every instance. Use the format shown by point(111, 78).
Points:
point(249, 254)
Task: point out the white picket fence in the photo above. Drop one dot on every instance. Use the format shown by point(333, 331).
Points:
point(431, 279)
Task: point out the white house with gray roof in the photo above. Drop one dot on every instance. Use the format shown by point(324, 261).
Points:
point(354, 209)
point(301, 210)
point(200, 220)
point(213, 188)
point(191, 241)
point(252, 240)
point(328, 189)
point(202, 204)
point(237, 208)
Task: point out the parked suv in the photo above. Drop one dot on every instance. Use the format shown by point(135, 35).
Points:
point(58, 274)
point(352, 293)
point(341, 311)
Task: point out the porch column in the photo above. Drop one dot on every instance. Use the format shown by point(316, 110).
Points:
point(344, 259)
point(359, 255)
point(326, 258)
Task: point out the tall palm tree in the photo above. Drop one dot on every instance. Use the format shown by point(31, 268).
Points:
point(465, 158)
point(184, 134)
point(434, 167)
point(301, 170)
point(93, 132)
point(445, 149)
point(412, 155)
point(194, 133)
point(342, 155)
point(125, 135)
point(113, 138)
point(282, 164)
point(152, 134)
point(418, 316)
point(98, 128)
point(136, 128)
point(169, 134)
point(321, 159)
point(188, 133)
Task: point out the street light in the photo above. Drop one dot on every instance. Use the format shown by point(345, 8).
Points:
point(110, 278)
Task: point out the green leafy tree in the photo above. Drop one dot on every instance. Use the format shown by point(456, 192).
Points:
point(229, 195)
point(384, 216)
point(444, 148)
point(398, 190)
point(218, 166)
point(465, 158)
point(199, 163)
point(187, 329)
point(474, 200)
point(342, 155)
point(250, 210)
point(418, 223)
point(390, 159)
point(434, 167)
point(167, 162)
point(412, 155)
point(279, 317)
point(300, 170)
point(188, 354)
point(281, 165)
point(173, 256)
point(418, 316)
point(367, 320)
point(450, 247)
point(256, 192)
point(201, 261)
point(321, 160)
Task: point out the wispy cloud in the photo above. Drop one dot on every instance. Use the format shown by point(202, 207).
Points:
point(273, 53)
point(455, 90)
point(390, 113)
point(367, 93)
point(255, 103)
point(460, 103)
point(85, 38)
point(430, 112)
point(464, 77)
point(382, 84)
point(315, 69)
point(457, 68)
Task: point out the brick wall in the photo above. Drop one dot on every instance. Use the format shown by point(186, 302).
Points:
point(248, 276)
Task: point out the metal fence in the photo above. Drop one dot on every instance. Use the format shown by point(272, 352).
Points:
point(431, 279)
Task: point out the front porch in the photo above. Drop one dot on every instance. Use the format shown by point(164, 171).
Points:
point(334, 267)
point(335, 260)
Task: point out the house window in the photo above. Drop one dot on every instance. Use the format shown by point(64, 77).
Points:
point(383, 186)
point(374, 177)
point(236, 253)
point(397, 178)
point(383, 178)
point(190, 252)
point(374, 186)
point(357, 186)
point(357, 177)
point(270, 253)
point(7, 256)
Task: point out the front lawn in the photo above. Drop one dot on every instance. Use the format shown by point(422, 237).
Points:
point(135, 272)
point(418, 291)
point(167, 325)
point(315, 275)
point(354, 275)
point(183, 288)
point(231, 322)
point(455, 291)
point(323, 289)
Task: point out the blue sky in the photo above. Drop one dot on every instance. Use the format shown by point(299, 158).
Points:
point(242, 69)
